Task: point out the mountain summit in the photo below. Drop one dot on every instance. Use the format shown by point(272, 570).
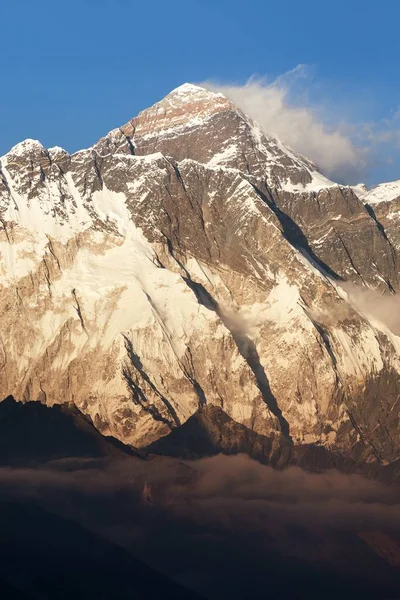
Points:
point(190, 259)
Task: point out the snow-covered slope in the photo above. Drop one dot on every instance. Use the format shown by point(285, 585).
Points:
point(188, 259)
point(385, 192)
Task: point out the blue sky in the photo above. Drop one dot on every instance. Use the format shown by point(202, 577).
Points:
point(71, 71)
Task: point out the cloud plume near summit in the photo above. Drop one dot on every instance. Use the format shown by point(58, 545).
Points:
point(344, 151)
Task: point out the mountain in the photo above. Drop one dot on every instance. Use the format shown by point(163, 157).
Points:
point(34, 434)
point(188, 260)
point(210, 432)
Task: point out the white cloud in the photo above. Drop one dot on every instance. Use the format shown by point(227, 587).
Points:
point(343, 151)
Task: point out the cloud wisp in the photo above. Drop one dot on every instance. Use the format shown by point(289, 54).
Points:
point(343, 151)
point(210, 489)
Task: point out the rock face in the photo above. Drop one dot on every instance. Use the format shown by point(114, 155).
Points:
point(188, 259)
point(210, 432)
point(383, 202)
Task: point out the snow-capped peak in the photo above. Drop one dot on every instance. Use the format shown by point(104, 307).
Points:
point(188, 91)
point(189, 94)
point(56, 150)
point(385, 192)
point(107, 256)
point(26, 146)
